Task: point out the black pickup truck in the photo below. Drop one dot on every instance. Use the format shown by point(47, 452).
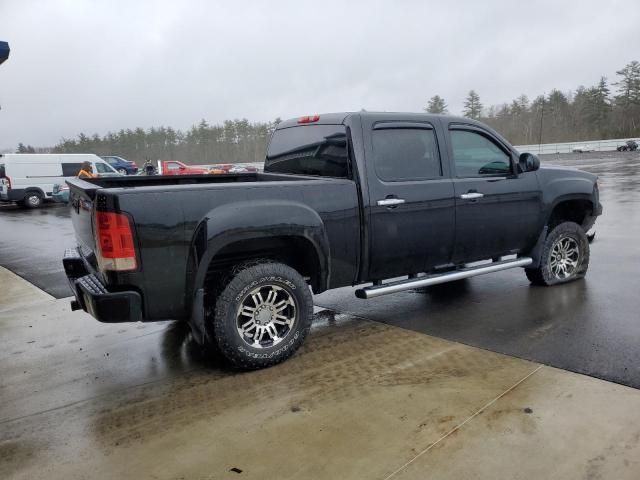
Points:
point(389, 201)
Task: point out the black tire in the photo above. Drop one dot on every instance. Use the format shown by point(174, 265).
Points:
point(234, 297)
point(565, 236)
point(32, 200)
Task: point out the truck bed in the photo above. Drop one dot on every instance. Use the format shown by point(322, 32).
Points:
point(161, 181)
point(169, 214)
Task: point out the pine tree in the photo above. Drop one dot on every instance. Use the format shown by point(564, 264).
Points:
point(629, 85)
point(628, 98)
point(436, 105)
point(472, 105)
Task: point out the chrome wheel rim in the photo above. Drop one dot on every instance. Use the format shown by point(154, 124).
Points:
point(266, 315)
point(565, 255)
point(33, 200)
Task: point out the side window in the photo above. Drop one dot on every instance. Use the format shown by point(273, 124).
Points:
point(406, 154)
point(476, 155)
point(71, 169)
point(102, 168)
point(173, 166)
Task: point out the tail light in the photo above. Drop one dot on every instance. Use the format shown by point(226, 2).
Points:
point(114, 239)
point(8, 179)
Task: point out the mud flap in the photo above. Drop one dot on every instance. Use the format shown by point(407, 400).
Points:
point(197, 317)
point(536, 251)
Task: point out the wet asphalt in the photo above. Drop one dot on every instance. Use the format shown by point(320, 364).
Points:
point(590, 326)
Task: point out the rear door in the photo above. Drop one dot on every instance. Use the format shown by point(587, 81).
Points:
point(411, 214)
point(497, 210)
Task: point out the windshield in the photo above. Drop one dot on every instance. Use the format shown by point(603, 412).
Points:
point(319, 150)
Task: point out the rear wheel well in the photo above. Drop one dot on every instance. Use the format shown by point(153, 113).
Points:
point(37, 190)
point(577, 211)
point(294, 251)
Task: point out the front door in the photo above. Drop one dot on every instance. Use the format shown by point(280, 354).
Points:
point(412, 207)
point(497, 210)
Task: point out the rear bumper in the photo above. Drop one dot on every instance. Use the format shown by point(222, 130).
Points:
point(93, 297)
point(12, 195)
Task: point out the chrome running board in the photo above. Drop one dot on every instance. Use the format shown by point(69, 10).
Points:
point(427, 280)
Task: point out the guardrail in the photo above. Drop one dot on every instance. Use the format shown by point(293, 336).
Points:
point(591, 145)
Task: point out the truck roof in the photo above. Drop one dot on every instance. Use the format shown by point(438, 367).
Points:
point(340, 117)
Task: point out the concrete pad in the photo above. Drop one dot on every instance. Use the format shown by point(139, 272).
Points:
point(81, 399)
point(359, 399)
point(16, 292)
point(554, 425)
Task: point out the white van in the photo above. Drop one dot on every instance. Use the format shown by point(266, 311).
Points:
point(28, 178)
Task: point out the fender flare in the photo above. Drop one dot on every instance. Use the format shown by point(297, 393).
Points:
point(568, 197)
point(248, 220)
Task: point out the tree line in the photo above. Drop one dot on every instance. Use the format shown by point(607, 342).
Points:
point(587, 113)
point(593, 112)
point(232, 142)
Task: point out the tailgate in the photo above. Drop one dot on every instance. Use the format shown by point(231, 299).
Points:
point(81, 197)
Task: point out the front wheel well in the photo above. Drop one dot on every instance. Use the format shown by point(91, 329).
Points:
point(295, 251)
point(576, 210)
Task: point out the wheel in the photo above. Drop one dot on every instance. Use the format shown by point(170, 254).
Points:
point(262, 314)
point(33, 200)
point(122, 171)
point(564, 257)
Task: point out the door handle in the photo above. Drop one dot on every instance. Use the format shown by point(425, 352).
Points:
point(471, 195)
point(390, 202)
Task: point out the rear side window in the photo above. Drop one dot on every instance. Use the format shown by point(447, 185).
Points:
point(406, 154)
point(71, 169)
point(475, 155)
point(319, 150)
point(2, 171)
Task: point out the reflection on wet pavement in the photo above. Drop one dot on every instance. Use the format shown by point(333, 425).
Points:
point(143, 404)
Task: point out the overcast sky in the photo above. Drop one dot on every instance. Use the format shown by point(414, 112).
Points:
point(94, 66)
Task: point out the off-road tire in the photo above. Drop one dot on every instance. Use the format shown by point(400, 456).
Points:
point(543, 275)
point(32, 200)
point(234, 288)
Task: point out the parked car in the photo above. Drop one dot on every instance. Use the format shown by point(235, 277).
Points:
point(345, 199)
point(173, 167)
point(28, 178)
point(231, 168)
point(60, 193)
point(583, 149)
point(629, 146)
point(123, 166)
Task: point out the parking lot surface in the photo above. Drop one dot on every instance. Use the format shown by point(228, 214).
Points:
point(588, 327)
point(361, 399)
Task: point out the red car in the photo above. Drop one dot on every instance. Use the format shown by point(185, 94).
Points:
point(173, 167)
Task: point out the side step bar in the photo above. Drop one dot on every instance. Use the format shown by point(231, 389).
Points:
point(393, 287)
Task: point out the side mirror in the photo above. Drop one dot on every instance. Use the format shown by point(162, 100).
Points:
point(182, 167)
point(528, 162)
